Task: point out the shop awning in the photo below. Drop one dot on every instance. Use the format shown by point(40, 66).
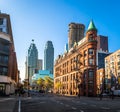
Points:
point(5, 79)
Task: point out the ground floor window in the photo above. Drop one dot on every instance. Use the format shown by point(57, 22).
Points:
point(2, 89)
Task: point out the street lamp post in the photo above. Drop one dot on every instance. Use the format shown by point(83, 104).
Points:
point(28, 81)
point(79, 90)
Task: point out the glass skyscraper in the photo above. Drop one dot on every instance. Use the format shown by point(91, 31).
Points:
point(32, 60)
point(49, 56)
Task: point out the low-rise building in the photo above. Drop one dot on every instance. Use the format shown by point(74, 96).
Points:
point(112, 70)
point(41, 74)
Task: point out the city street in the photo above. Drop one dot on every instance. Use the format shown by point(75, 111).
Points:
point(56, 103)
point(7, 104)
point(53, 103)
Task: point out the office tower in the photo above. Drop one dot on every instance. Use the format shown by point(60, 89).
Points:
point(100, 58)
point(9, 74)
point(26, 68)
point(102, 44)
point(40, 64)
point(32, 60)
point(66, 48)
point(76, 33)
point(49, 56)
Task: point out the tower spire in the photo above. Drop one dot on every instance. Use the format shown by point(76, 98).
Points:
point(91, 26)
point(32, 40)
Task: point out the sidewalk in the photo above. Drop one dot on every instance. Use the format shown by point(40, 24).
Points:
point(8, 103)
point(104, 98)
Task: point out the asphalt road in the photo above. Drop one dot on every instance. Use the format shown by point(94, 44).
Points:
point(53, 103)
point(7, 104)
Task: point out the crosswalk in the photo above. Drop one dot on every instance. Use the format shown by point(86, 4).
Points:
point(5, 99)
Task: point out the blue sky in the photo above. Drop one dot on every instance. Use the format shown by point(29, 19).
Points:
point(44, 20)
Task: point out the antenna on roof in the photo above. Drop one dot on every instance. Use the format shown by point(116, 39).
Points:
point(33, 40)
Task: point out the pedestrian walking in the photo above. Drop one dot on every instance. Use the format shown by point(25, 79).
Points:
point(16, 92)
point(78, 95)
point(101, 95)
point(112, 92)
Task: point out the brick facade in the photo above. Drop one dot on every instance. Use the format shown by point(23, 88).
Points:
point(77, 68)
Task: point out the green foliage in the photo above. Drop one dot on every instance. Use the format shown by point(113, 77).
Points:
point(40, 82)
point(46, 83)
point(58, 85)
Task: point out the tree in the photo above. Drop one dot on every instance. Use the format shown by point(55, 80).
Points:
point(58, 85)
point(25, 83)
point(48, 83)
point(40, 82)
point(34, 82)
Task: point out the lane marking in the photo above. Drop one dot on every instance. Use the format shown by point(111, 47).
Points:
point(42, 102)
point(74, 108)
point(84, 103)
point(105, 108)
point(1, 100)
point(81, 111)
point(19, 106)
point(93, 105)
point(78, 102)
point(67, 105)
point(57, 101)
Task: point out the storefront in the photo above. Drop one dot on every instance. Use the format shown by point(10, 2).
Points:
point(7, 86)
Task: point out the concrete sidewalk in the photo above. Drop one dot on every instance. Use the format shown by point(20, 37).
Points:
point(8, 104)
point(116, 98)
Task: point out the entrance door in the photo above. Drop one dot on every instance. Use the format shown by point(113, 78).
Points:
point(2, 90)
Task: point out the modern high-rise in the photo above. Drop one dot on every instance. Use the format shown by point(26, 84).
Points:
point(49, 56)
point(31, 61)
point(40, 64)
point(9, 74)
point(102, 44)
point(76, 33)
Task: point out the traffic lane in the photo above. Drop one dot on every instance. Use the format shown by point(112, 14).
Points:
point(44, 105)
point(7, 104)
point(67, 104)
point(92, 104)
point(59, 104)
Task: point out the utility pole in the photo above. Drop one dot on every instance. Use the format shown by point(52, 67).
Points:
point(28, 80)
